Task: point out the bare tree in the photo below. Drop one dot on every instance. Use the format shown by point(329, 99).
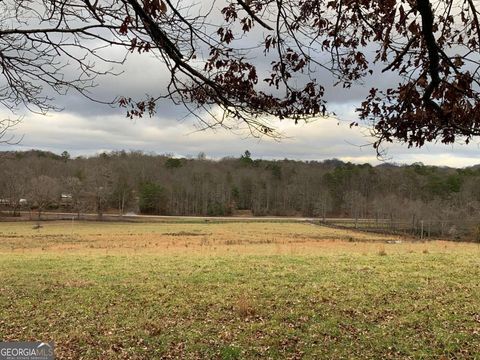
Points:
point(44, 191)
point(13, 186)
point(76, 189)
point(99, 186)
point(6, 127)
point(216, 60)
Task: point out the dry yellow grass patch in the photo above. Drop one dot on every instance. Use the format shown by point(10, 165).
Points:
point(201, 238)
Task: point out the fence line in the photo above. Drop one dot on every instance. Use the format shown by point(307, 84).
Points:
point(422, 229)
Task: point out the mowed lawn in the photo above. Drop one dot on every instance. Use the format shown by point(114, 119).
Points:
point(239, 290)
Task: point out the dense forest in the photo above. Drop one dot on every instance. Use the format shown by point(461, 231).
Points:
point(160, 184)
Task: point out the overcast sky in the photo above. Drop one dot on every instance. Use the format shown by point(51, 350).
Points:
point(85, 133)
point(86, 128)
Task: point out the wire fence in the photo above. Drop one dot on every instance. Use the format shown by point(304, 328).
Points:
point(467, 230)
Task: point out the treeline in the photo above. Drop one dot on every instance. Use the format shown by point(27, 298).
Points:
point(155, 184)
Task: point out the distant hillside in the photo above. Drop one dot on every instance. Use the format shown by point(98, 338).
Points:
point(29, 154)
point(161, 184)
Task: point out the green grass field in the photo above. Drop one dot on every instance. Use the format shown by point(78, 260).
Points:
point(237, 291)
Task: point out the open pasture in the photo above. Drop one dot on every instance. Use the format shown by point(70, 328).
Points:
point(235, 290)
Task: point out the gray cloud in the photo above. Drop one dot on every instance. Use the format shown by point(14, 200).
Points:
point(323, 139)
